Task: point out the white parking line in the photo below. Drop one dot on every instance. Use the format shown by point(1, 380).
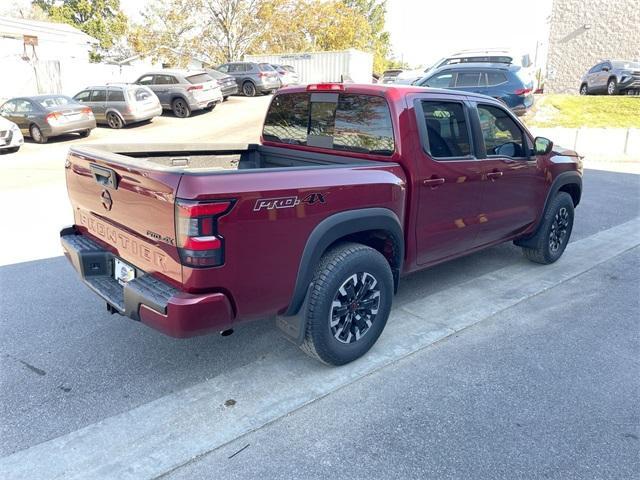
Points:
point(161, 435)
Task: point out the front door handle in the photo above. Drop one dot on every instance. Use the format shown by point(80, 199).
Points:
point(494, 175)
point(434, 182)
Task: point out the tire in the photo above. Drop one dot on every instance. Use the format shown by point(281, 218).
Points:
point(224, 99)
point(584, 89)
point(85, 133)
point(37, 135)
point(612, 87)
point(114, 120)
point(249, 89)
point(357, 280)
point(180, 108)
point(554, 232)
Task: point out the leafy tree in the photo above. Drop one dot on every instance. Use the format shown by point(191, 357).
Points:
point(376, 39)
point(101, 19)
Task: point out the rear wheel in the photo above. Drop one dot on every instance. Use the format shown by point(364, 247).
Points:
point(114, 120)
point(349, 304)
point(85, 133)
point(584, 89)
point(554, 232)
point(249, 89)
point(180, 108)
point(37, 135)
point(612, 87)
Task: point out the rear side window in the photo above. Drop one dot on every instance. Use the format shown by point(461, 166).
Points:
point(447, 129)
point(468, 79)
point(199, 78)
point(115, 96)
point(165, 80)
point(140, 94)
point(496, 78)
point(98, 95)
point(347, 122)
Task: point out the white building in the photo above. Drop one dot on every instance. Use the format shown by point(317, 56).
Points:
point(21, 38)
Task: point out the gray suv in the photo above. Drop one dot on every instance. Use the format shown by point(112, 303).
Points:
point(183, 91)
point(612, 77)
point(120, 104)
point(252, 78)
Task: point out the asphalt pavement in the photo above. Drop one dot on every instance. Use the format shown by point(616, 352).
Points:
point(547, 387)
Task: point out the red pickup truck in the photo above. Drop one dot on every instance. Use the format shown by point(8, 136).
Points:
point(352, 187)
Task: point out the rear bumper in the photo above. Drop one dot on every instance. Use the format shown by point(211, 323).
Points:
point(142, 116)
point(79, 126)
point(147, 299)
point(229, 90)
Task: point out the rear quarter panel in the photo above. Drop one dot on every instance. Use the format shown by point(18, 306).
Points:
point(263, 246)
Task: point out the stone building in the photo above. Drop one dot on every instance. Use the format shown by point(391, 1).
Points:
point(583, 32)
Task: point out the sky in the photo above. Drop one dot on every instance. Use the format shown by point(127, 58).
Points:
point(422, 31)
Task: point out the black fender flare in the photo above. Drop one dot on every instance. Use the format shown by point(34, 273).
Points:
point(329, 230)
point(565, 178)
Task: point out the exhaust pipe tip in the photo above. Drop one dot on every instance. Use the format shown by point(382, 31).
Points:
point(226, 333)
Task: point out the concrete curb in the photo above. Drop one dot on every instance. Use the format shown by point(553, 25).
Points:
point(160, 436)
point(619, 144)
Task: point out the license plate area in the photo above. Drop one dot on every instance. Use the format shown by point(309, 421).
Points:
point(123, 272)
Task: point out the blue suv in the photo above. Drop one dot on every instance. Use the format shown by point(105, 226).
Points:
point(507, 83)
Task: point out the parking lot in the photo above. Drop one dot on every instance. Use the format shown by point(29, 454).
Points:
point(485, 358)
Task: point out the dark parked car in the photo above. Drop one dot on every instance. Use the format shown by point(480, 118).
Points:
point(252, 78)
point(612, 77)
point(226, 82)
point(44, 116)
point(504, 82)
point(183, 91)
point(119, 104)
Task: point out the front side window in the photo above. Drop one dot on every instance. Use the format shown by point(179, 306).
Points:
point(99, 95)
point(502, 135)
point(9, 107)
point(146, 80)
point(223, 68)
point(83, 96)
point(347, 122)
point(441, 80)
point(447, 129)
point(24, 106)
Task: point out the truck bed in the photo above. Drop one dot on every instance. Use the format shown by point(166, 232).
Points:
point(212, 158)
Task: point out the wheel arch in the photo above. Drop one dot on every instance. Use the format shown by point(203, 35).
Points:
point(378, 228)
point(568, 182)
point(114, 110)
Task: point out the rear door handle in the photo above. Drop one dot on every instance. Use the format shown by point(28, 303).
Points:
point(494, 175)
point(434, 182)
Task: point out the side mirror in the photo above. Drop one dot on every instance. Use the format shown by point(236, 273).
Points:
point(542, 146)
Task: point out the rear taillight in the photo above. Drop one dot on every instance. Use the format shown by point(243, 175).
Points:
point(263, 74)
point(523, 91)
point(199, 241)
point(195, 87)
point(55, 118)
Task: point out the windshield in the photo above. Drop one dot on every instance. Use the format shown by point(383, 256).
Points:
point(215, 74)
point(625, 64)
point(54, 101)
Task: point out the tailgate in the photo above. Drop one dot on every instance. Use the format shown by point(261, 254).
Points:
point(129, 209)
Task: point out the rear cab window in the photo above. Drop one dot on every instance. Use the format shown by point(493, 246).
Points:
point(344, 122)
point(446, 128)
